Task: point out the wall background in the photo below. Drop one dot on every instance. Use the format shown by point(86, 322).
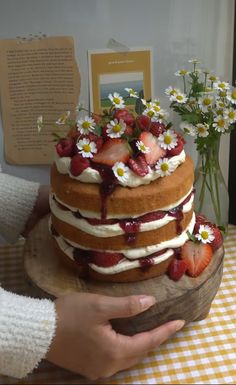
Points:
point(177, 30)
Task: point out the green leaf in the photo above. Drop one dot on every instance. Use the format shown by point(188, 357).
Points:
point(191, 237)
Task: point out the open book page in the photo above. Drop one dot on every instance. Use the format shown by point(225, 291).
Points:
point(37, 77)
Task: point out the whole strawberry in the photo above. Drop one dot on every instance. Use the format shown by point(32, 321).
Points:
point(78, 164)
point(65, 147)
point(143, 122)
point(218, 238)
point(125, 115)
point(176, 269)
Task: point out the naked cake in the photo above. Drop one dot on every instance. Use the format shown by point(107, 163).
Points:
point(122, 199)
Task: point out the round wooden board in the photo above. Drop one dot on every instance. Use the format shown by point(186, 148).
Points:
point(189, 298)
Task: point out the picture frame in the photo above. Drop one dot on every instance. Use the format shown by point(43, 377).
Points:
point(112, 71)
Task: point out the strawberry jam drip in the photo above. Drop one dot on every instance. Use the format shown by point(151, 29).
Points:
point(177, 213)
point(146, 263)
point(107, 186)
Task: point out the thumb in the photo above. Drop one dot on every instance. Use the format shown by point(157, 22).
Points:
point(113, 307)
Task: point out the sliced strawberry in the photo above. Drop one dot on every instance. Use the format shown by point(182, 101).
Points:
point(138, 165)
point(78, 164)
point(65, 147)
point(125, 115)
point(176, 150)
point(157, 128)
point(104, 259)
point(156, 152)
point(112, 151)
point(197, 256)
point(143, 122)
point(176, 269)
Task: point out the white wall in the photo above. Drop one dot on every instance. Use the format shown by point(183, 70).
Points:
point(176, 29)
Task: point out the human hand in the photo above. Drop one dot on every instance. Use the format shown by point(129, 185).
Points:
point(40, 209)
point(85, 342)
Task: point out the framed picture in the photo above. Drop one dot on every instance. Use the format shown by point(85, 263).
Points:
point(111, 72)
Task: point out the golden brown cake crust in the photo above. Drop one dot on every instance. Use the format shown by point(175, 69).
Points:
point(133, 275)
point(131, 201)
point(144, 238)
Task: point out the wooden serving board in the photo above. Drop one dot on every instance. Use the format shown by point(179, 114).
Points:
point(189, 298)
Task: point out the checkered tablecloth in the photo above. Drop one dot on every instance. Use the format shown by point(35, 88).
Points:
point(202, 353)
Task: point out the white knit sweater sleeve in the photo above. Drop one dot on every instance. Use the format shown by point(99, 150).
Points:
point(17, 198)
point(27, 326)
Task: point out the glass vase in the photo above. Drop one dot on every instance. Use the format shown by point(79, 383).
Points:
point(211, 194)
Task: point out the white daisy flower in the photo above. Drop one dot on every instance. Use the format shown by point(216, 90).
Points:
point(162, 116)
point(151, 113)
point(213, 78)
point(121, 171)
point(230, 115)
point(86, 125)
point(221, 123)
point(206, 102)
point(231, 96)
point(167, 140)
point(219, 85)
point(116, 128)
point(194, 61)
point(205, 234)
point(202, 130)
point(141, 146)
point(179, 97)
point(181, 72)
point(188, 128)
point(132, 93)
point(117, 100)
point(62, 119)
point(164, 167)
point(171, 91)
point(86, 148)
point(39, 123)
point(220, 104)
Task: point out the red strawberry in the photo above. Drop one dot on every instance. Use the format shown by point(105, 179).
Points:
point(197, 256)
point(112, 151)
point(104, 133)
point(94, 138)
point(78, 164)
point(156, 152)
point(157, 128)
point(65, 147)
point(125, 115)
point(129, 130)
point(176, 269)
point(176, 150)
point(218, 240)
point(104, 259)
point(143, 122)
point(138, 165)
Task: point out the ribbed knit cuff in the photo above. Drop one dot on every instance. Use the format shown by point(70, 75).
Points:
point(27, 326)
point(17, 199)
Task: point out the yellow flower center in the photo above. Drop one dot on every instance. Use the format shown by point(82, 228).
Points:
point(164, 167)
point(204, 234)
point(116, 100)
point(223, 94)
point(150, 113)
point(201, 129)
point(207, 101)
point(212, 78)
point(221, 123)
point(120, 172)
point(86, 125)
point(86, 148)
point(157, 108)
point(221, 85)
point(183, 72)
point(142, 147)
point(233, 94)
point(231, 114)
point(168, 139)
point(179, 97)
point(173, 92)
point(116, 128)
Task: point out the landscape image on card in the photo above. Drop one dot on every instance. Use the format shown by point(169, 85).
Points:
point(117, 82)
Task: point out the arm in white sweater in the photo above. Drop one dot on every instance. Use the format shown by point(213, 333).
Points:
point(27, 325)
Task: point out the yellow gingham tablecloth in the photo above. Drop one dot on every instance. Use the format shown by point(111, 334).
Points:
point(202, 353)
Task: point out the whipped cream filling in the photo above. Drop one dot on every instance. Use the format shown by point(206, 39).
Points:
point(139, 252)
point(110, 230)
point(93, 214)
point(89, 175)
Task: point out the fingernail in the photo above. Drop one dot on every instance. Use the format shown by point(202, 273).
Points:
point(147, 302)
point(179, 324)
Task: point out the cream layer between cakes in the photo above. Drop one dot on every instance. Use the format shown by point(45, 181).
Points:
point(133, 255)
